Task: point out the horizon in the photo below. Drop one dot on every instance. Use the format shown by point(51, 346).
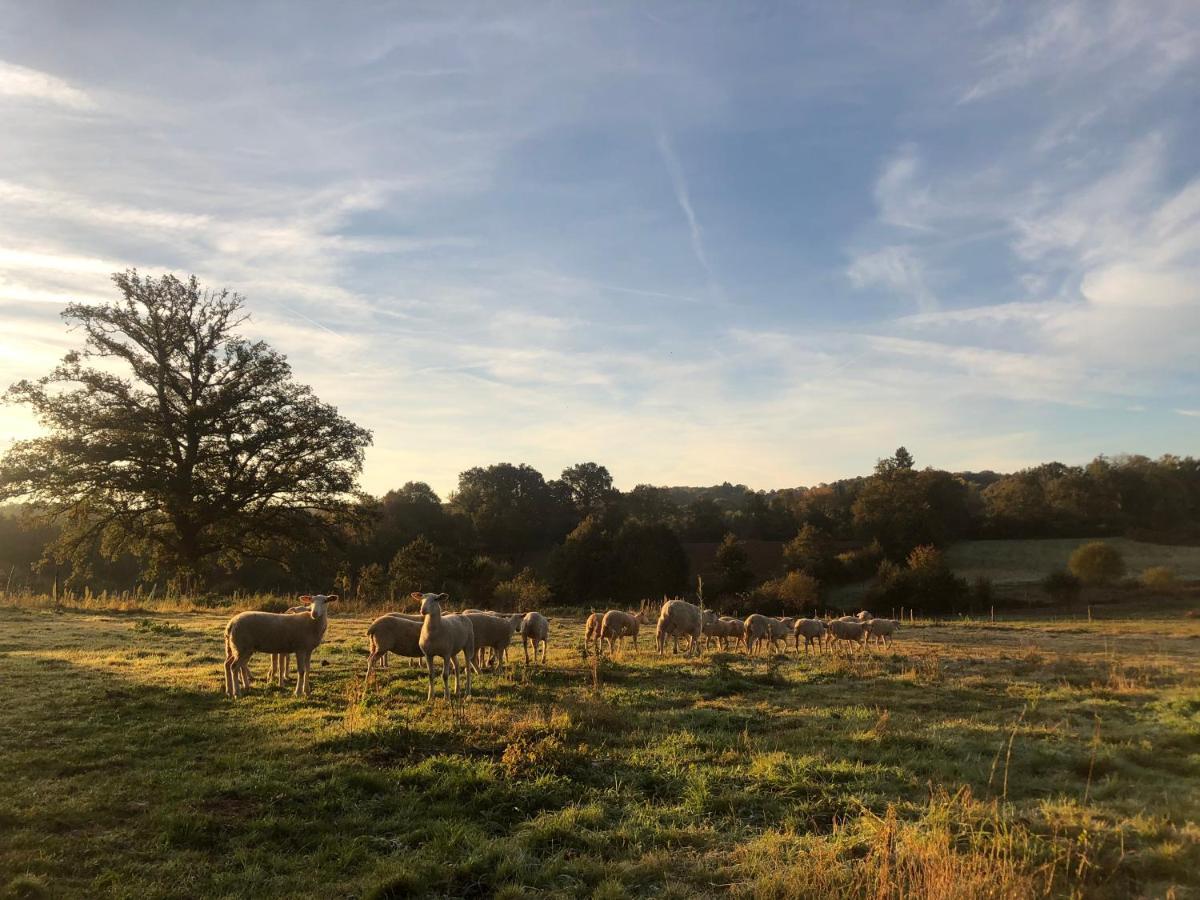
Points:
point(696, 246)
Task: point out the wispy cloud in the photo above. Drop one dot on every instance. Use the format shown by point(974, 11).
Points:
point(30, 84)
point(684, 198)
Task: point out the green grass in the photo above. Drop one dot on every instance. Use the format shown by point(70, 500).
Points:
point(1002, 760)
point(1016, 561)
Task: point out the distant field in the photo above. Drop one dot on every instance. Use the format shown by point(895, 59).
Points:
point(999, 760)
point(1015, 561)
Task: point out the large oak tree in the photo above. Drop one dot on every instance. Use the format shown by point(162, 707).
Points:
point(171, 437)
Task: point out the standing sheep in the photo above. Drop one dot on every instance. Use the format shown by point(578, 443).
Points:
point(251, 632)
point(535, 629)
point(392, 634)
point(492, 632)
point(847, 630)
point(677, 619)
point(618, 624)
point(444, 636)
point(757, 628)
point(591, 632)
point(882, 630)
point(812, 630)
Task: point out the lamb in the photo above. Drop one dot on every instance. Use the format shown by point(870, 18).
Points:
point(444, 636)
point(616, 625)
point(392, 634)
point(842, 630)
point(677, 619)
point(535, 629)
point(250, 632)
point(756, 628)
point(882, 630)
point(712, 628)
point(811, 630)
point(492, 632)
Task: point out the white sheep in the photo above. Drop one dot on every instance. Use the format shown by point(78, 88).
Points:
point(591, 632)
point(618, 624)
point(811, 630)
point(732, 628)
point(882, 630)
point(445, 637)
point(492, 632)
point(677, 619)
point(392, 634)
point(756, 628)
point(251, 632)
point(280, 668)
point(779, 630)
point(847, 630)
point(534, 629)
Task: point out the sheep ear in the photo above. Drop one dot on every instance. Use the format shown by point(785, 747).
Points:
point(443, 597)
point(306, 598)
point(331, 598)
point(417, 595)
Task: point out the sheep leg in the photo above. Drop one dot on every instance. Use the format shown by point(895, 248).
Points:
point(301, 674)
point(525, 644)
point(446, 677)
point(230, 685)
point(429, 665)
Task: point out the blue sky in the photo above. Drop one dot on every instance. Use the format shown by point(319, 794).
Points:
point(695, 242)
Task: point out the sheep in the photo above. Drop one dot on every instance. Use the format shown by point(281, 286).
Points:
point(535, 629)
point(864, 616)
point(847, 630)
point(882, 630)
point(280, 661)
point(382, 662)
point(677, 619)
point(732, 628)
point(392, 634)
point(756, 628)
point(591, 632)
point(713, 627)
point(779, 630)
point(617, 624)
point(492, 632)
point(444, 636)
point(811, 630)
point(249, 632)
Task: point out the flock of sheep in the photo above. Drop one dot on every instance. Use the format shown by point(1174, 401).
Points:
point(483, 637)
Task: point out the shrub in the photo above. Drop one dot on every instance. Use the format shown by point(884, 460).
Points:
point(789, 595)
point(524, 593)
point(1097, 563)
point(1158, 578)
point(861, 563)
point(929, 585)
point(1062, 587)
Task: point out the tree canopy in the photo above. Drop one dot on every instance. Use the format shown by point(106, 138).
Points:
point(172, 438)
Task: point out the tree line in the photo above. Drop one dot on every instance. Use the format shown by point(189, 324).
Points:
point(177, 454)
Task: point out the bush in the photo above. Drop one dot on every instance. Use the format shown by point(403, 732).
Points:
point(1158, 578)
point(1097, 563)
point(929, 585)
point(861, 563)
point(521, 594)
point(789, 595)
point(1062, 587)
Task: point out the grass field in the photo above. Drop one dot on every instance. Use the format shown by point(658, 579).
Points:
point(1004, 760)
point(1017, 561)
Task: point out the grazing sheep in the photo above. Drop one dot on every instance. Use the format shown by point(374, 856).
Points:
point(591, 632)
point(492, 632)
point(811, 630)
point(756, 628)
point(392, 634)
point(251, 632)
point(842, 630)
point(618, 624)
point(444, 636)
point(882, 630)
point(677, 619)
point(535, 629)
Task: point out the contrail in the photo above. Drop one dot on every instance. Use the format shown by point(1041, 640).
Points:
point(683, 197)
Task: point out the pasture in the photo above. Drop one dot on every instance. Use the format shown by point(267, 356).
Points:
point(1007, 759)
point(1030, 560)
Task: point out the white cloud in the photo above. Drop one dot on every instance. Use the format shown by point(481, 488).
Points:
point(897, 269)
point(23, 83)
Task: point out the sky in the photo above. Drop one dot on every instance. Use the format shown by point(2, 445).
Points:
point(757, 242)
